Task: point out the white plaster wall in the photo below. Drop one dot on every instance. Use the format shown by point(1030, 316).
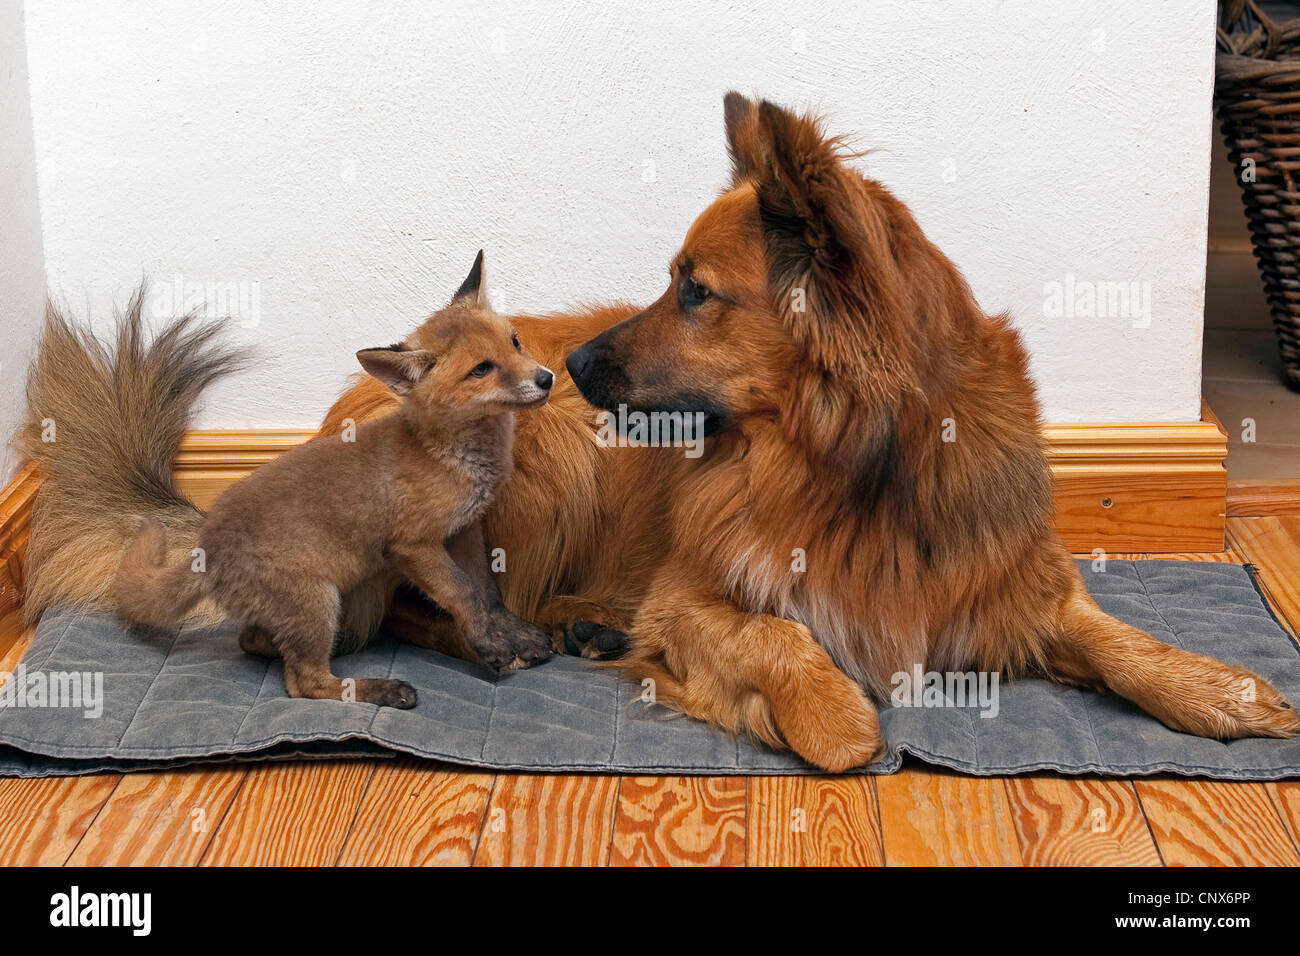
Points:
point(341, 161)
point(22, 275)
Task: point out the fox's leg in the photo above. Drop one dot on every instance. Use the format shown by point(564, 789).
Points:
point(307, 674)
point(257, 641)
point(1185, 691)
point(749, 673)
point(303, 621)
point(413, 617)
point(494, 636)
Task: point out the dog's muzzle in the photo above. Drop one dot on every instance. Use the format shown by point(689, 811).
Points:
point(600, 380)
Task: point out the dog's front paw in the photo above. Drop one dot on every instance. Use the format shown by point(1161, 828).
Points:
point(584, 628)
point(594, 641)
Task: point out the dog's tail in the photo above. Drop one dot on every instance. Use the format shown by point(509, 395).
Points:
point(103, 422)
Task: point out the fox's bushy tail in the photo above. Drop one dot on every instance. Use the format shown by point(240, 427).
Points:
point(104, 420)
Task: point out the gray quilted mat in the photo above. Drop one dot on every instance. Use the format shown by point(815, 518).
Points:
point(193, 697)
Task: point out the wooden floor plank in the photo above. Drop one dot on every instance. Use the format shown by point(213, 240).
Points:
point(679, 821)
point(16, 649)
point(41, 821)
point(1226, 556)
point(1212, 823)
point(1263, 496)
point(1062, 821)
point(931, 817)
point(1286, 798)
point(290, 814)
point(418, 813)
point(548, 820)
point(164, 818)
point(1273, 546)
point(813, 821)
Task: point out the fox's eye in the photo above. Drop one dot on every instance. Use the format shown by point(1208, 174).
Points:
point(694, 293)
point(481, 369)
point(514, 340)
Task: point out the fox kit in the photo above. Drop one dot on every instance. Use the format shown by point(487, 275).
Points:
point(282, 548)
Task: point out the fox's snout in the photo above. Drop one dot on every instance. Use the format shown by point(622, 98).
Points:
point(537, 389)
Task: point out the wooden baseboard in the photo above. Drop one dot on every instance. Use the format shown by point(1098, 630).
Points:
point(1121, 487)
point(1158, 487)
point(210, 461)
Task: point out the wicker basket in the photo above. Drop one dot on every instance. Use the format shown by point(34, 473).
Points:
point(1257, 98)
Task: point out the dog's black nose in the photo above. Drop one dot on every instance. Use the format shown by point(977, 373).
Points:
point(544, 378)
point(577, 363)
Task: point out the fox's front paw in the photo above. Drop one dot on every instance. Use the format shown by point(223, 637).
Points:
point(510, 643)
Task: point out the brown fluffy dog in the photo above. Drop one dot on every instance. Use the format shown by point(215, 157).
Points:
point(826, 340)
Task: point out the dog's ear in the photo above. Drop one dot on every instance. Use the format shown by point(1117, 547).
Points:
point(740, 117)
point(396, 366)
point(828, 235)
point(808, 196)
point(472, 288)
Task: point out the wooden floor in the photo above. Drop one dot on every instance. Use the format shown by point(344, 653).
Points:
point(408, 812)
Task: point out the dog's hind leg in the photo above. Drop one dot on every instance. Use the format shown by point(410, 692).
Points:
point(413, 619)
point(1185, 691)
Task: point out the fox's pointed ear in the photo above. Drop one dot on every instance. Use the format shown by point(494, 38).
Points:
point(740, 117)
point(472, 288)
point(397, 366)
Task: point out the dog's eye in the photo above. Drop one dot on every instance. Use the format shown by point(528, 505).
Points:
point(694, 293)
point(514, 340)
point(481, 369)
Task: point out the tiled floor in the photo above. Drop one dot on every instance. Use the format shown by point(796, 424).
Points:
point(1242, 384)
point(1241, 369)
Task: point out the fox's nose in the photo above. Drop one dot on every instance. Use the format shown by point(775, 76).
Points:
point(544, 379)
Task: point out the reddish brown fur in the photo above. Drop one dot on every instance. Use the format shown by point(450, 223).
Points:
point(918, 550)
point(333, 522)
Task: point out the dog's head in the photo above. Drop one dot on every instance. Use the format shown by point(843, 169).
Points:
point(799, 292)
